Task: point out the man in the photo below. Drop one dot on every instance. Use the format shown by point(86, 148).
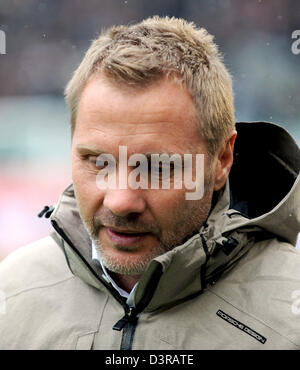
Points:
point(141, 267)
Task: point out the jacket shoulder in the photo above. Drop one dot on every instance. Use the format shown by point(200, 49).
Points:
point(265, 284)
point(42, 302)
point(272, 259)
point(37, 264)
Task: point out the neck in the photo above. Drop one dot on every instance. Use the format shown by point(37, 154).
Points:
point(125, 282)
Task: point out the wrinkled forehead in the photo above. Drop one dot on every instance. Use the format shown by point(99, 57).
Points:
point(162, 115)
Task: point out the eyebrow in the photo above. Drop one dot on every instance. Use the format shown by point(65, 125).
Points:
point(148, 154)
point(97, 151)
point(89, 149)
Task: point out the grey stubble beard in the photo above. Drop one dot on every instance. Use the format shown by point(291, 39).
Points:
point(187, 224)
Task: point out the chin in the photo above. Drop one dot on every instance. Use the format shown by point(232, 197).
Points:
point(125, 266)
point(120, 261)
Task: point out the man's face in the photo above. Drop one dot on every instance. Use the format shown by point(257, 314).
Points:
point(132, 226)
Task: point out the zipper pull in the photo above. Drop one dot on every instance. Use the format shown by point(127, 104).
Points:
point(130, 316)
point(120, 324)
point(46, 211)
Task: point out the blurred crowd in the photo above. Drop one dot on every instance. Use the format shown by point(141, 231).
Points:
point(45, 41)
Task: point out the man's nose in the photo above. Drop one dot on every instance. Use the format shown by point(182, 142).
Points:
point(124, 201)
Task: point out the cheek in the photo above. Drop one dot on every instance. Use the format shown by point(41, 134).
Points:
point(164, 203)
point(88, 196)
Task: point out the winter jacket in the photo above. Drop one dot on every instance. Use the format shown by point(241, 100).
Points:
point(235, 284)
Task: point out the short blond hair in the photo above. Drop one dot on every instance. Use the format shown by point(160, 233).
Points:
point(140, 54)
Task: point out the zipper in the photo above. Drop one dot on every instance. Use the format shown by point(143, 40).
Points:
point(128, 325)
point(128, 322)
point(203, 267)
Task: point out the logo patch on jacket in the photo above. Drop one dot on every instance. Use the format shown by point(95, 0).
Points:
point(254, 334)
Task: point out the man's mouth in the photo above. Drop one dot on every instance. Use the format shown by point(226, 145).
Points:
point(126, 238)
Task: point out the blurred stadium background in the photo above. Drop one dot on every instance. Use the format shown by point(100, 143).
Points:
point(45, 41)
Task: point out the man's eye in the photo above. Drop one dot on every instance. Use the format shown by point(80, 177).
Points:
point(162, 172)
point(90, 159)
point(163, 169)
point(157, 170)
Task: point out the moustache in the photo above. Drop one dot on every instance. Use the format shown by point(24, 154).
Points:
point(130, 222)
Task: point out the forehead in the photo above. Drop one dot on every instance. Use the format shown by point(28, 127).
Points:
point(161, 115)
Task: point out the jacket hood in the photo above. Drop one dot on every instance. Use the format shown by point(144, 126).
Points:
point(261, 200)
point(264, 180)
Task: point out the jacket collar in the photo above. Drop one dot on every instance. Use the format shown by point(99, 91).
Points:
point(174, 276)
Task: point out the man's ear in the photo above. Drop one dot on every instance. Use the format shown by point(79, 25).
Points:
point(224, 162)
